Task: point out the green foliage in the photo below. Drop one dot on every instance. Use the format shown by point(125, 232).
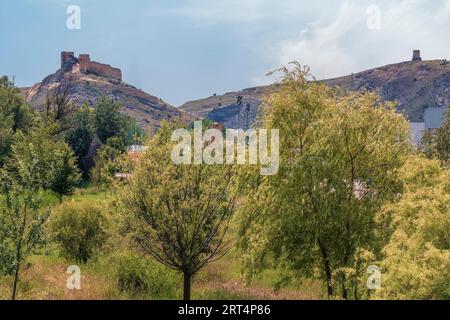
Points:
point(65, 175)
point(145, 277)
point(108, 120)
point(81, 135)
point(22, 218)
point(14, 114)
point(436, 144)
point(338, 165)
point(80, 229)
point(12, 108)
point(178, 214)
point(417, 257)
point(107, 162)
point(133, 133)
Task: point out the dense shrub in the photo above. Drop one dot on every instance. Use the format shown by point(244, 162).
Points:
point(145, 277)
point(79, 229)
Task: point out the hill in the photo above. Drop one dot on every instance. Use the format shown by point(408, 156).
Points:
point(87, 81)
point(415, 85)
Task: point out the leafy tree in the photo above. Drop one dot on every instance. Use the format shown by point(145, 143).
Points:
point(133, 133)
point(21, 225)
point(178, 214)
point(39, 161)
point(22, 180)
point(338, 160)
point(417, 257)
point(80, 229)
point(65, 175)
point(80, 137)
point(12, 108)
point(108, 120)
point(436, 144)
point(107, 162)
point(442, 139)
point(14, 114)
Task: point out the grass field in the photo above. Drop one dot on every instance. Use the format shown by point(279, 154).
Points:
point(44, 276)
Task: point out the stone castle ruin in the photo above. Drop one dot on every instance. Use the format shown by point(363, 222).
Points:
point(88, 66)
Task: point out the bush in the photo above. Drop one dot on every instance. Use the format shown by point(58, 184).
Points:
point(145, 277)
point(79, 229)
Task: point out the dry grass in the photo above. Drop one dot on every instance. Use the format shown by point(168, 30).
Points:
point(45, 278)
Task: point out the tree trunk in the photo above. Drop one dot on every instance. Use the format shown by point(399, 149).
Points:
point(187, 287)
point(16, 280)
point(327, 269)
point(19, 253)
point(344, 288)
point(60, 199)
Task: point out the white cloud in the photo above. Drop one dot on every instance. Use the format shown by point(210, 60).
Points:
point(344, 43)
point(320, 47)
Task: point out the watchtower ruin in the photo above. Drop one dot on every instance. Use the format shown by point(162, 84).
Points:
point(416, 56)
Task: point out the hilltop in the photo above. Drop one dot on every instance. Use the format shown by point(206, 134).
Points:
point(415, 85)
point(88, 81)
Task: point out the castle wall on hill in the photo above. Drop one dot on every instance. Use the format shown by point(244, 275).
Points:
point(105, 70)
point(88, 66)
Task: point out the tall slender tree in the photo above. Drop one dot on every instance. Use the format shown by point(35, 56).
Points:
point(338, 160)
point(178, 214)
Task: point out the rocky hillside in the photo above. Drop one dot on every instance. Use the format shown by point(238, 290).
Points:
point(414, 85)
point(145, 108)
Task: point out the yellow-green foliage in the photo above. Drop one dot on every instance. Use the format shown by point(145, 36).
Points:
point(339, 156)
point(417, 258)
point(144, 277)
point(80, 230)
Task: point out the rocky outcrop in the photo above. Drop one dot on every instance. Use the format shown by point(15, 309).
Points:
point(88, 87)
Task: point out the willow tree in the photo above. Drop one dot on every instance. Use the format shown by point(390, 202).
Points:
point(417, 258)
point(339, 155)
point(178, 213)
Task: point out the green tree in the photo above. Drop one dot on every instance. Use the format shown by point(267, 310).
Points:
point(107, 162)
point(23, 180)
point(80, 136)
point(178, 214)
point(133, 133)
point(22, 220)
point(108, 120)
point(65, 175)
point(442, 138)
point(417, 257)
point(80, 229)
point(338, 160)
point(436, 144)
point(39, 161)
point(14, 114)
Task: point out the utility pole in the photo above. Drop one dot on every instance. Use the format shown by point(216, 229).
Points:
point(247, 112)
point(239, 104)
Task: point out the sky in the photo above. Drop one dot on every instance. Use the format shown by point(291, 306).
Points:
point(181, 50)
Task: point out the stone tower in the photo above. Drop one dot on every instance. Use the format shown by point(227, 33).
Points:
point(416, 56)
point(65, 56)
point(84, 60)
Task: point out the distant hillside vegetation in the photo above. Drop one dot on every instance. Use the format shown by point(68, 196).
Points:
point(414, 85)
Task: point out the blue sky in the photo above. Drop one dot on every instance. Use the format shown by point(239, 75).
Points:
point(181, 50)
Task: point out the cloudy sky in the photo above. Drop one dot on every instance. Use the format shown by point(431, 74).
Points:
point(181, 50)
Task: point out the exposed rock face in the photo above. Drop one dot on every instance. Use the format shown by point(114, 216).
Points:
point(415, 86)
point(89, 87)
